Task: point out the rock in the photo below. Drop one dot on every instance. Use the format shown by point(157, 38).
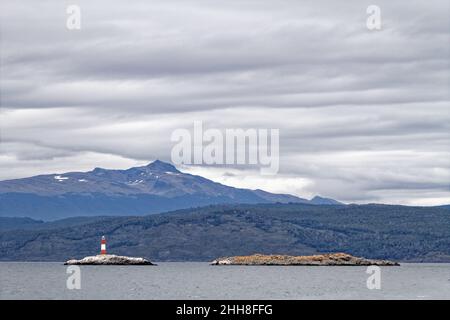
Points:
point(109, 259)
point(331, 259)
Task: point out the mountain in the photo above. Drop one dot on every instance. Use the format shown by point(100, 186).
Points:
point(7, 223)
point(18, 223)
point(154, 188)
point(399, 233)
point(324, 201)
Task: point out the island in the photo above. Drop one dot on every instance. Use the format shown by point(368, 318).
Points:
point(331, 259)
point(109, 259)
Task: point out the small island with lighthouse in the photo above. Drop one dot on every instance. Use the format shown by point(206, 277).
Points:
point(108, 259)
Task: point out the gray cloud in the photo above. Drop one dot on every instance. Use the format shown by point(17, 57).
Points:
point(363, 115)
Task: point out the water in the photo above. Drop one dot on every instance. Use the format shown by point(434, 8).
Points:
point(187, 280)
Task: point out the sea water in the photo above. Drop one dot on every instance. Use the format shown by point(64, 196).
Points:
point(198, 280)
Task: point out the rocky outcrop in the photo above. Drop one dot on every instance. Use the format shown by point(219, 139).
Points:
point(332, 259)
point(109, 259)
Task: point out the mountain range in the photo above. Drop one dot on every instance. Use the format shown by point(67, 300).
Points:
point(154, 188)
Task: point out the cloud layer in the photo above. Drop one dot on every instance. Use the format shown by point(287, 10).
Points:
point(364, 116)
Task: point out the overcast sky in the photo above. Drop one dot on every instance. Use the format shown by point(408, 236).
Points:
point(364, 116)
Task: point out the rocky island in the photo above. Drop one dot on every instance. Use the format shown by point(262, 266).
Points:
point(331, 259)
point(109, 259)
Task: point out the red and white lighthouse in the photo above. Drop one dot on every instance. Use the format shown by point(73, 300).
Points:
point(103, 245)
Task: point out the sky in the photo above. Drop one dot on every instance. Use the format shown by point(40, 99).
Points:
point(364, 115)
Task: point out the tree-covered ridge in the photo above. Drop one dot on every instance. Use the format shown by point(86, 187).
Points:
point(202, 234)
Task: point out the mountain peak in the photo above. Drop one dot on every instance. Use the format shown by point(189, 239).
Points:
point(162, 166)
point(318, 200)
point(156, 187)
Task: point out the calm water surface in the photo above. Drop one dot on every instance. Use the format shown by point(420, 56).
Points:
point(198, 280)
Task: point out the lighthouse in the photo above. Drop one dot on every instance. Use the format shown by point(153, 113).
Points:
point(103, 245)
